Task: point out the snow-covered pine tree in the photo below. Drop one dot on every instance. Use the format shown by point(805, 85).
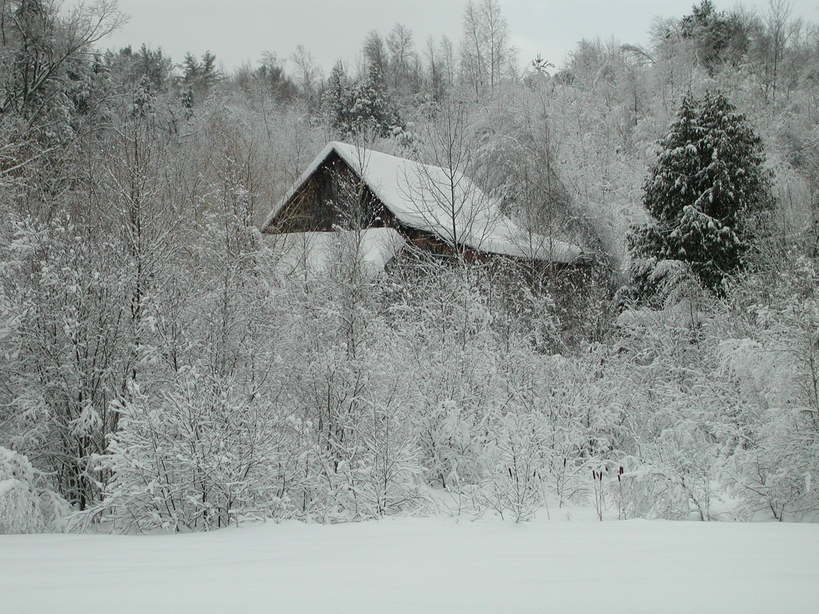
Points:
point(199, 76)
point(372, 108)
point(706, 194)
point(336, 98)
point(363, 107)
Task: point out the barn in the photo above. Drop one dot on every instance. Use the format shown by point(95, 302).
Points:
point(394, 203)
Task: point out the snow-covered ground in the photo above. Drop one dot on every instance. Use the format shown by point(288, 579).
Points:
point(421, 565)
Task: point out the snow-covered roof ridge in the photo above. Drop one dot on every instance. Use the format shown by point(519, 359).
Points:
point(440, 201)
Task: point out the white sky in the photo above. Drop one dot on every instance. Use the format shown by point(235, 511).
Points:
point(240, 30)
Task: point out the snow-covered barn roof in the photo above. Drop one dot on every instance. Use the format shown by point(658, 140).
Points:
point(436, 200)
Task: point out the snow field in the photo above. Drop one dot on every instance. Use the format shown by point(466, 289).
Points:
point(421, 565)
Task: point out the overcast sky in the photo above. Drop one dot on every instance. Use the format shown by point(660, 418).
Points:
point(239, 31)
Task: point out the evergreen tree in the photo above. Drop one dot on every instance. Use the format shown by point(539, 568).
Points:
point(364, 106)
point(199, 76)
point(274, 80)
point(718, 38)
point(706, 193)
point(375, 53)
point(336, 98)
point(372, 108)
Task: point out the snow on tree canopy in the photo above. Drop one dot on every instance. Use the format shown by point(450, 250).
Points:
point(26, 507)
point(435, 200)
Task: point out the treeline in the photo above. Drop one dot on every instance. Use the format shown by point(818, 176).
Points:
point(157, 368)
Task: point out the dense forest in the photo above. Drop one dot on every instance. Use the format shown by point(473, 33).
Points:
point(159, 371)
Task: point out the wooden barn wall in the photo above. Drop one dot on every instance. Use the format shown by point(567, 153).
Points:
point(316, 206)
